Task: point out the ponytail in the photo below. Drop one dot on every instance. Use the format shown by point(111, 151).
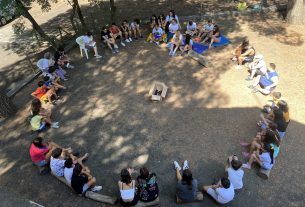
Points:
point(271, 151)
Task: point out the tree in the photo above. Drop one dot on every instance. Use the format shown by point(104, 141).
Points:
point(7, 108)
point(76, 9)
point(112, 7)
point(296, 12)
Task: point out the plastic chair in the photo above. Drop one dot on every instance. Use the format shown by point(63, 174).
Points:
point(41, 66)
point(82, 47)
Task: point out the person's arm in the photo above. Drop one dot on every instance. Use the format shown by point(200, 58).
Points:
point(34, 94)
point(247, 52)
point(275, 81)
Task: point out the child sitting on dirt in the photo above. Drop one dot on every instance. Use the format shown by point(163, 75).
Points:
point(147, 185)
point(43, 94)
point(126, 31)
point(244, 53)
point(108, 38)
point(188, 44)
point(235, 172)
point(135, 28)
point(61, 58)
point(191, 28)
point(127, 187)
point(117, 33)
point(175, 43)
point(206, 30)
point(157, 34)
point(51, 84)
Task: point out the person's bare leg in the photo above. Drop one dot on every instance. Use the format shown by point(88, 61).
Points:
point(264, 91)
point(95, 51)
point(178, 175)
point(92, 182)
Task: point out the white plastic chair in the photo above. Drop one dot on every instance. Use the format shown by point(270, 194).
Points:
point(82, 47)
point(41, 66)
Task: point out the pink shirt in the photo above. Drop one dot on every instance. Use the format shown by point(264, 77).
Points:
point(38, 154)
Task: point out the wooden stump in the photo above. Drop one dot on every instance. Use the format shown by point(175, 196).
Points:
point(199, 58)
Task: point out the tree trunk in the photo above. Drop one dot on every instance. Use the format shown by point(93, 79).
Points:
point(112, 11)
point(80, 14)
point(7, 108)
point(296, 11)
point(72, 18)
point(36, 26)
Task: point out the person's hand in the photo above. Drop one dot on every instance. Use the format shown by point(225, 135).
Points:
point(130, 170)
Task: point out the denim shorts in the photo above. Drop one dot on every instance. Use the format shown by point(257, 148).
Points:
point(41, 163)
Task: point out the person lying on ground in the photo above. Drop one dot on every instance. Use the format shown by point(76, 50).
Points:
point(267, 82)
point(43, 94)
point(62, 59)
point(126, 31)
point(206, 30)
point(169, 20)
point(244, 53)
point(153, 21)
point(191, 28)
point(40, 152)
point(172, 29)
point(188, 44)
point(263, 157)
point(58, 158)
point(157, 34)
point(235, 172)
point(108, 38)
point(90, 44)
point(162, 21)
point(127, 187)
point(147, 185)
point(117, 33)
point(215, 36)
point(135, 28)
point(69, 166)
point(175, 43)
point(257, 67)
point(222, 192)
point(186, 188)
point(83, 181)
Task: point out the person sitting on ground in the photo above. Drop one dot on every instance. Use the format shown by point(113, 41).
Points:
point(58, 159)
point(108, 38)
point(126, 30)
point(222, 192)
point(82, 180)
point(244, 53)
point(267, 82)
point(162, 21)
point(191, 28)
point(188, 44)
point(186, 188)
point(43, 94)
point(147, 185)
point(281, 122)
point(263, 157)
point(272, 104)
point(175, 43)
point(257, 67)
point(36, 108)
point(169, 20)
point(90, 43)
point(127, 187)
point(117, 33)
point(41, 152)
point(61, 58)
point(52, 85)
point(206, 30)
point(235, 172)
point(135, 28)
point(215, 36)
point(157, 33)
point(172, 29)
point(69, 166)
point(153, 21)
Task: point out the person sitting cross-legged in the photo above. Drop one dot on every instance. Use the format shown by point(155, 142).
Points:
point(176, 41)
point(257, 67)
point(188, 44)
point(62, 59)
point(206, 30)
point(82, 180)
point(157, 33)
point(147, 185)
point(108, 38)
point(191, 28)
point(186, 188)
point(244, 53)
point(90, 43)
point(215, 36)
point(222, 192)
point(235, 172)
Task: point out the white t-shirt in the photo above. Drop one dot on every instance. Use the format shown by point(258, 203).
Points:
point(180, 37)
point(170, 18)
point(86, 39)
point(192, 27)
point(173, 28)
point(261, 65)
point(236, 177)
point(225, 195)
point(68, 174)
point(57, 166)
point(157, 32)
point(209, 27)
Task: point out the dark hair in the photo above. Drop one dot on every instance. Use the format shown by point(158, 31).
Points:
point(40, 83)
point(151, 18)
point(69, 163)
point(187, 177)
point(277, 95)
point(187, 39)
point(52, 69)
point(209, 21)
point(125, 21)
point(89, 34)
point(56, 153)
point(272, 65)
point(245, 43)
point(137, 21)
point(270, 138)
point(144, 172)
point(35, 106)
point(161, 15)
point(236, 164)
point(173, 13)
point(225, 182)
point(61, 48)
point(125, 176)
point(272, 126)
point(216, 28)
point(103, 28)
point(283, 106)
point(46, 78)
point(278, 114)
point(190, 22)
point(38, 142)
point(113, 23)
point(77, 169)
point(269, 149)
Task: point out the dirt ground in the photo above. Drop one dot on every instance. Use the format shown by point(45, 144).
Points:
point(207, 112)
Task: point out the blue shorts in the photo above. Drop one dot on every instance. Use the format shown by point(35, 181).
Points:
point(85, 187)
point(41, 163)
point(281, 134)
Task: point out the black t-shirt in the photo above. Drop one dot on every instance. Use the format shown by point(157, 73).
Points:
point(77, 183)
point(107, 34)
point(281, 125)
point(58, 55)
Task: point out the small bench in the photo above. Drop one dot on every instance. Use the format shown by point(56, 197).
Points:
point(263, 173)
point(199, 58)
point(92, 195)
point(198, 199)
point(151, 203)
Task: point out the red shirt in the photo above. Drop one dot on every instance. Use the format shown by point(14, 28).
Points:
point(40, 91)
point(114, 29)
point(38, 154)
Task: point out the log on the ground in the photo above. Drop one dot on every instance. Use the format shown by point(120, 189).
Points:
point(199, 58)
point(264, 173)
point(151, 203)
point(198, 198)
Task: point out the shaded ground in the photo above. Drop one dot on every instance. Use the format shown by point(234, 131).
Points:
point(207, 112)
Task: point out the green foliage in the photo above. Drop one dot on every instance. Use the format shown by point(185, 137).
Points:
point(98, 3)
point(19, 26)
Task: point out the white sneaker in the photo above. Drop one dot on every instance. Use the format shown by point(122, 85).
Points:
point(55, 126)
point(96, 188)
point(177, 166)
point(127, 41)
point(247, 166)
point(122, 43)
point(130, 39)
point(97, 56)
point(115, 47)
point(71, 66)
point(185, 165)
